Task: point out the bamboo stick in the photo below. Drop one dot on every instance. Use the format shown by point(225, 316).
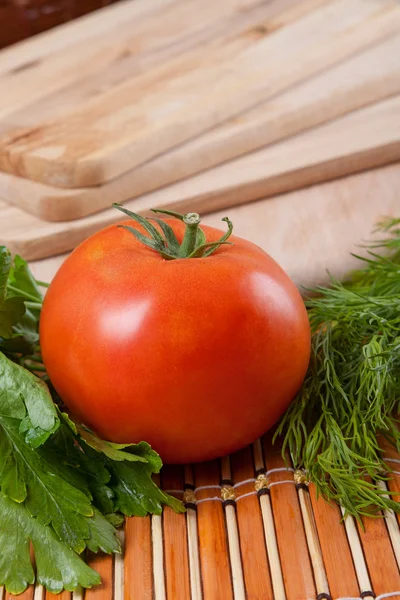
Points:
point(335, 547)
point(39, 592)
point(228, 496)
point(103, 564)
point(291, 537)
point(158, 558)
point(358, 557)
point(214, 560)
point(379, 557)
point(119, 592)
point(177, 579)
point(138, 576)
point(193, 537)
point(317, 561)
point(256, 571)
point(78, 594)
point(392, 526)
point(269, 528)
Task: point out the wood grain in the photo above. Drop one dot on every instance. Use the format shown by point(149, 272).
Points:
point(139, 37)
point(252, 544)
point(88, 28)
point(295, 228)
point(138, 568)
point(62, 596)
point(175, 538)
point(365, 79)
point(27, 595)
point(393, 463)
point(102, 49)
point(379, 556)
point(126, 48)
point(293, 551)
point(328, 146)
point(121, 129)
point(214, 557)
point(337, 556)
point(103, 564)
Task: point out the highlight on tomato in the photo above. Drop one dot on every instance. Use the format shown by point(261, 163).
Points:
point(165, 330)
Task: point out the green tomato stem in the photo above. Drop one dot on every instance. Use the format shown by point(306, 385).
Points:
point(194, 243)
point(192, 222)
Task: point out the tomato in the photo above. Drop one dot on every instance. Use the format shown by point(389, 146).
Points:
point(197, 356)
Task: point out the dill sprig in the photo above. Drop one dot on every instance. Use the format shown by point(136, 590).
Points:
point(351, 394)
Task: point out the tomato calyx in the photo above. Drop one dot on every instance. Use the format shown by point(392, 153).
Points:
point(194, 243)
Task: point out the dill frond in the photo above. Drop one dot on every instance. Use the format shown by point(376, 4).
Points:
point(351, 394)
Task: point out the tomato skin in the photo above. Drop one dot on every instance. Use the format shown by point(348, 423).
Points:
point(198, 357)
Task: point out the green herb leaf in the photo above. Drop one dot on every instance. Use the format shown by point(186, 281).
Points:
point(11, 311)
point(25, 397)
point(57, 565)
point(22, 282)
point(115, 519)
point(34, 476)
point(135, 491)
point(106, 468)
point(18, 322)
point(5, 267)
point(87, 468)
point(351, 394)
point(25, 475)
point(102, 536)
point(60, 485)
point(113, 451)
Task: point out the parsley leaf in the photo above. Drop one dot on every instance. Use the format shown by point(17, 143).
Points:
point(20, 302)
point(57, 566)
point(129, 487)
point(135, 491)
point(113, 451)
point(30, 474)
point(61, 487)
point(11, 309)
point(26, 398)
point(22, 281)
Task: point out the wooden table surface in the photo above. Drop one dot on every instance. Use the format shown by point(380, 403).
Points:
point(309, 231)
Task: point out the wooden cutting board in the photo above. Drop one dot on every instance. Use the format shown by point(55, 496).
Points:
point(70, 63)
point(174, 101)
point(357, 141)
point(364, 79)
point(310, 232)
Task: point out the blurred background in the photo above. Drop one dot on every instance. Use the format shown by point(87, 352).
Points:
point(24, 18)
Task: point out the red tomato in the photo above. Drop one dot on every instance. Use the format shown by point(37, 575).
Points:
point(197, 356)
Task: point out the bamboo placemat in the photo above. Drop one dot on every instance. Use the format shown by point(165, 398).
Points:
point(253, 530)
